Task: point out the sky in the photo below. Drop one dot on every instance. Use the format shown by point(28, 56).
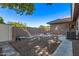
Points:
point(41, 15)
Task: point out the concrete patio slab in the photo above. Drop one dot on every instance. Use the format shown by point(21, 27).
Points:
point(65, 48)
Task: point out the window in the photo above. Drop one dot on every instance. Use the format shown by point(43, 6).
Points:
point(72, 26)
point(56, 28)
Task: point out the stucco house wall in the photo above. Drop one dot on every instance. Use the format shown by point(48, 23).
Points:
point(61, 28)
point(77, 26)
point(75, 18)
point(5, 33)
point(77, 23)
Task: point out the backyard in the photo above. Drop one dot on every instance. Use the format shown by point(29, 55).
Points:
point(36, 31)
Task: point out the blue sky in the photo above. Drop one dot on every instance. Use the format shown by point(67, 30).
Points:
point(41, 15)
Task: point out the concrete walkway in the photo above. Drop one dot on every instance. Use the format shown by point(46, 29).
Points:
point(65, 48)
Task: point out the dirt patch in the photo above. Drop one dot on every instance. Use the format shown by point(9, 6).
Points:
point(43, 47)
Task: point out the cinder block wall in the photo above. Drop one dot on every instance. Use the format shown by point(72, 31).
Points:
point(23, 32)
point(18, 32)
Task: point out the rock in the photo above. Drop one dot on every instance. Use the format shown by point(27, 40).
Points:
point(40, 53)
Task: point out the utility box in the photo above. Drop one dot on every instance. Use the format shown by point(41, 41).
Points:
point(71, 35)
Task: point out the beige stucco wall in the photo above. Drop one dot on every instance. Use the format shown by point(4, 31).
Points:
point(77, 26)
point(5, 33)
point(63, 28)
point(78, 23)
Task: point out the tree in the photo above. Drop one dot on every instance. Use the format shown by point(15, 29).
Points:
point(21, 8)
point(17, 24)
point(44, 27)
point(1, 20)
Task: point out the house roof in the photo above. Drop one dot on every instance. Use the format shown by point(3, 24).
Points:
point(60, 21)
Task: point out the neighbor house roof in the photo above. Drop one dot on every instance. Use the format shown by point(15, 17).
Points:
point(60, 21)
